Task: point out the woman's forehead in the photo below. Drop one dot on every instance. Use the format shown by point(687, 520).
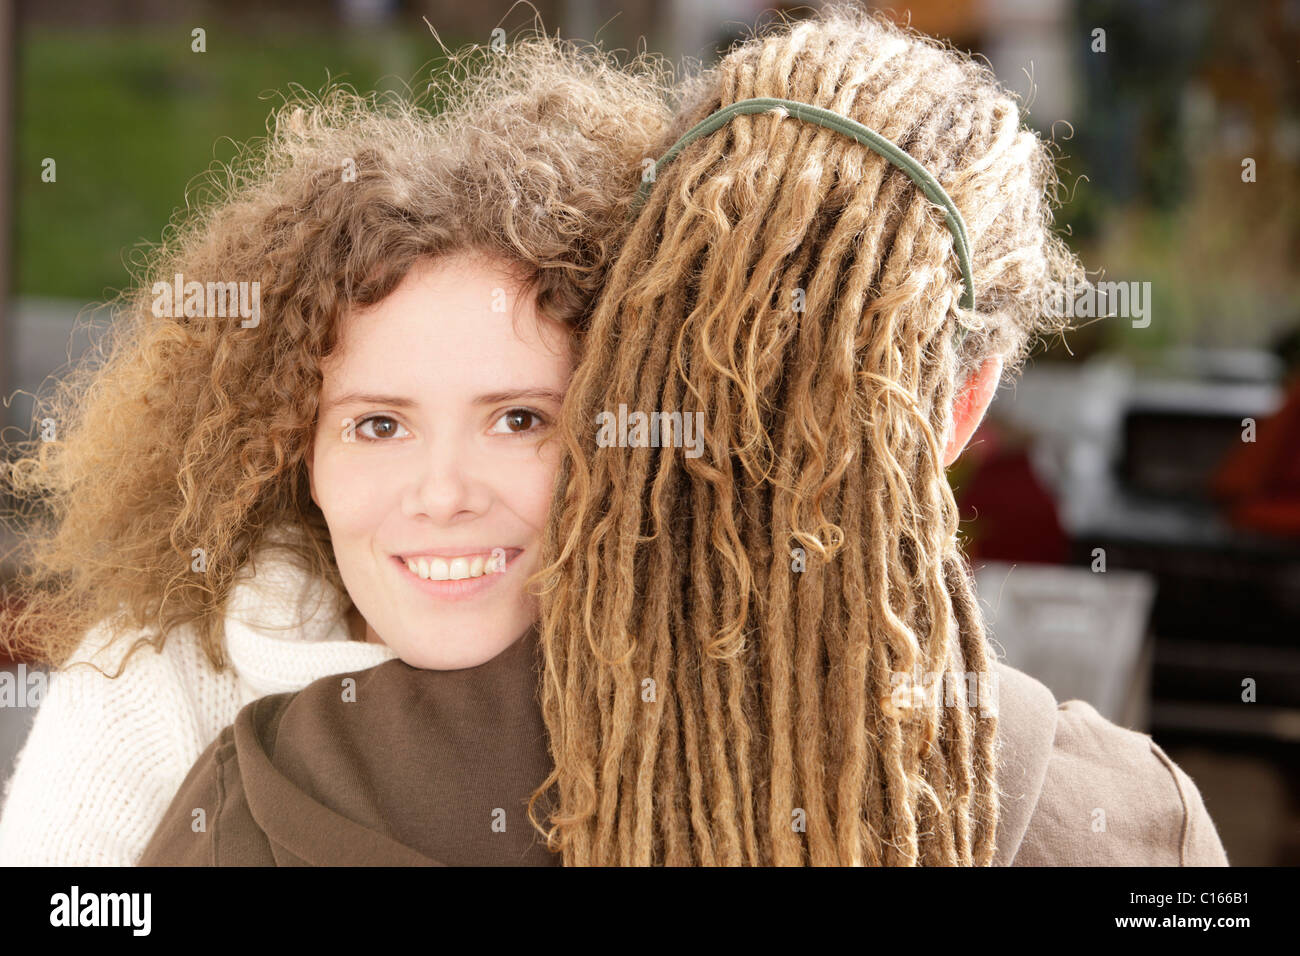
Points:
point(456, 321)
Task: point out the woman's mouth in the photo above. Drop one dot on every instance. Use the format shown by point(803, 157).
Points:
point(457, 576)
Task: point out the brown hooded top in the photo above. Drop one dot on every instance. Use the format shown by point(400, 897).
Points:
point(397, 766)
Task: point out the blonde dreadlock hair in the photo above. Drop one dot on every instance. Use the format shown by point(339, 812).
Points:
point(701, 693)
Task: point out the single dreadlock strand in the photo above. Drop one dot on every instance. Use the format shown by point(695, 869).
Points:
point(919, 516)
point(606, 795)
point(572, 740)
point(672, 822)
point(742, 679)
point(702, 846)
point(805, 629)
point(718, 597)
point(848, 659)
point(723, 540)
point(619, 776)
point(893, 653)
point(839, 414)
point(678, 833)
point(809, 627)
point(659, 719)
point(580, 783)
point(958, 725)
point(857, 783)
point(784, 845)
point(899, 827)
point(984, 807)
point(625, 847)
point(741, 675)
point(841, 846)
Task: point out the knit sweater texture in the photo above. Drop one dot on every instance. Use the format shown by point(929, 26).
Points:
point(105, 757)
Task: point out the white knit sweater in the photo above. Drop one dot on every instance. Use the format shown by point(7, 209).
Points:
point(105, 757)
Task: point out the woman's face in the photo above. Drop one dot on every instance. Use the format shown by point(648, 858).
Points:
point(428, 450)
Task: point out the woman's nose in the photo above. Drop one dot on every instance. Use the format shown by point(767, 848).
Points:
point(450, 484)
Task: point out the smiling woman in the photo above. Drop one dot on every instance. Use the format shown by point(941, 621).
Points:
point(436, 495)
point(230, 501)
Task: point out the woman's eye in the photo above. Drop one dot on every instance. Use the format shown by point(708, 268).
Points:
point(516, 421)
point(385, 430)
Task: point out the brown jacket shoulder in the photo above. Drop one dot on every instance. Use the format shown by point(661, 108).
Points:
point(1099, 795)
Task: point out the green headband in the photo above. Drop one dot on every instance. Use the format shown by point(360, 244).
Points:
point(868, 137)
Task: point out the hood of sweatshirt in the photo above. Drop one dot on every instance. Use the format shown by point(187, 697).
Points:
point(391, 766)
point(286, 628)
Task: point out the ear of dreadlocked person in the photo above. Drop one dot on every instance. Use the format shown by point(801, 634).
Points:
point(970, 405)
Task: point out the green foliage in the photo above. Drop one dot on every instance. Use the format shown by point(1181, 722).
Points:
point(132, 117)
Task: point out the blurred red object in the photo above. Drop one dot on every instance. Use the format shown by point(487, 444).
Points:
point(1259, 483)
point(1006, 512)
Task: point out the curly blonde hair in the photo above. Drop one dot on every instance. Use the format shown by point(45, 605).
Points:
point(192, 432)
point(703, 694)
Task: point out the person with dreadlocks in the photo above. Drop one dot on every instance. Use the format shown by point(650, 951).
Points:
point(761, 654)
point(758, 642)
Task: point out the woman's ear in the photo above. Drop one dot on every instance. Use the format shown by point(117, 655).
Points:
point(311, 479)
point(971, 403)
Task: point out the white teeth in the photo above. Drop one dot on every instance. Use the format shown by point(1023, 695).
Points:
point(457, 569)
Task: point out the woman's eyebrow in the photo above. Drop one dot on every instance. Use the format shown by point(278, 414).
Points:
point(490, 398)
point(517, 394)
point(371, 398)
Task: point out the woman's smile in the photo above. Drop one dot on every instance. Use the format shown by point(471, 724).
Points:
point(457, 577)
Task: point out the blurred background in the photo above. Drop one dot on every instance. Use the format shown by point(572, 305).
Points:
point(1132, 504)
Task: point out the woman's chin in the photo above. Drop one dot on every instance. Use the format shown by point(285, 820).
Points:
point(453, 655)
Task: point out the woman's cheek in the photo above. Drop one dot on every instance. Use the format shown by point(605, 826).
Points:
point(351, 489)
point(532, 486)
